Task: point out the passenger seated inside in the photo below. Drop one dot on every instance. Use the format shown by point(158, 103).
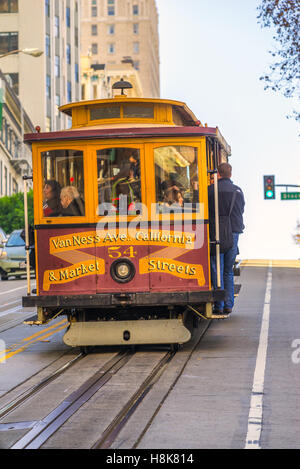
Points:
point(72, 205)
point(127, 181)
point(173, 197)
point(51, 202)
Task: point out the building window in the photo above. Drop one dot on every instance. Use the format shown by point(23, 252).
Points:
point(135, 28)
point(76, 37)
point(48, 86)
point(136, 64)
point(136, 47)
point(68, 53)
point(111, 48)
point(13, 79)
point(47, 8)
point(8, 6)
point(5, 180)
point(68, 17)
point(48, 124)
point(94, 12)
point(111, 29)
point(69, 91)
point(110, 7)
point(77, 73)
point(57, 66)
point(94, 49)
point(135, 9)
point(8, 42)
point(83, 91)
point(56, 26)
point(48, 49)
point(94, 30)
point(15, 186)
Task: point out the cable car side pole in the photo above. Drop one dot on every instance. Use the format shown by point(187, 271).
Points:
point(25, 178)
point(218, 261)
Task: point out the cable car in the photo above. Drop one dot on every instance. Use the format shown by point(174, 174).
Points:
point(121, 221)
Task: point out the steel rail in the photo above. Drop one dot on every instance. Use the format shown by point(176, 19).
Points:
point(37, 387)
point(42, 431)
point(110, 434)
point(207, 325)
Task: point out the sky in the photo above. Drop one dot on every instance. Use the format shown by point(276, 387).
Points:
point(212, 54)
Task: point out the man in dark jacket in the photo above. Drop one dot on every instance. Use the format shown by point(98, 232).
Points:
point(226, 191)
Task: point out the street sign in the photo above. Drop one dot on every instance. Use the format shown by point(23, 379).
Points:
point(290, 195)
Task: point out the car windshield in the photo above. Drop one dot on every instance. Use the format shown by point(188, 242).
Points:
point(15, 240)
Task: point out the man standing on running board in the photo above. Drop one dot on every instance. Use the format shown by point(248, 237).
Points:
point(228, 193)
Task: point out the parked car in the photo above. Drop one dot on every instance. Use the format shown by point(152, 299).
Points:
point(3, 237)
point(13, 257)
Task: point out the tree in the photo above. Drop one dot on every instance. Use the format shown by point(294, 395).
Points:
point(12, 211)
point(284, 16)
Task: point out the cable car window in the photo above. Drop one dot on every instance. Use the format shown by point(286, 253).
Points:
point(63, 188)
point(176, 178)
point(105, 112)
point(119, 180)
point(143, 112)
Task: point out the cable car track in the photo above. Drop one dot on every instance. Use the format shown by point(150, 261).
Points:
point(5, 410)
point(41, 430)
point(112, 431)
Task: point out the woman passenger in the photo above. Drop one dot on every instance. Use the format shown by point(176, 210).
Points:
point(51, 203)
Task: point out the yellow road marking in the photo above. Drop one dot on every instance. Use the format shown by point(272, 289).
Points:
point(45, 330)
point(64, 321)
point(24, 347)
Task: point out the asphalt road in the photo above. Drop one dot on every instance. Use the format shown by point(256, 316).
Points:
point(240, 389)
point(24, 349)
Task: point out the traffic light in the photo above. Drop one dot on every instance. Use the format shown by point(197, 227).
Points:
point(269, 187)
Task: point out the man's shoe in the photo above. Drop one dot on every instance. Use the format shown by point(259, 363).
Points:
point(217, 312)
point(227, 310)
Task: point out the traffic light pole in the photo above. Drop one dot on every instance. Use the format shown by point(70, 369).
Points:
point(269, 189)
point(286, 185)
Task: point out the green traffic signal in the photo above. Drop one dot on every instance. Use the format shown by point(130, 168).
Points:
point(269, 187)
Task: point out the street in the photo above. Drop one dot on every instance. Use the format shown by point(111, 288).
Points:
point(237, 386)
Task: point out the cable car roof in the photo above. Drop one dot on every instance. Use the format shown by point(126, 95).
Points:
point(122, 117)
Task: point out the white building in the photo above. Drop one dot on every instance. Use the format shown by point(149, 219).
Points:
point(15, 156)
point(46, 82)
point(113, 30)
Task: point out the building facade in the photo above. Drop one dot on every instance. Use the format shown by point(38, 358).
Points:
point(116, 30)
point(53, 79)
point(15, 156)
point(97, 79)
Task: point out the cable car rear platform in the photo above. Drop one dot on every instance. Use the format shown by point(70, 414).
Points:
point(123, 299)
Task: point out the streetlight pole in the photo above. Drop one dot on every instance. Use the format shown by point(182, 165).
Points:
point(32, 52)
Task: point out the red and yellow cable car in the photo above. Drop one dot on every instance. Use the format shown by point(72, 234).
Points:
point(121, 221)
